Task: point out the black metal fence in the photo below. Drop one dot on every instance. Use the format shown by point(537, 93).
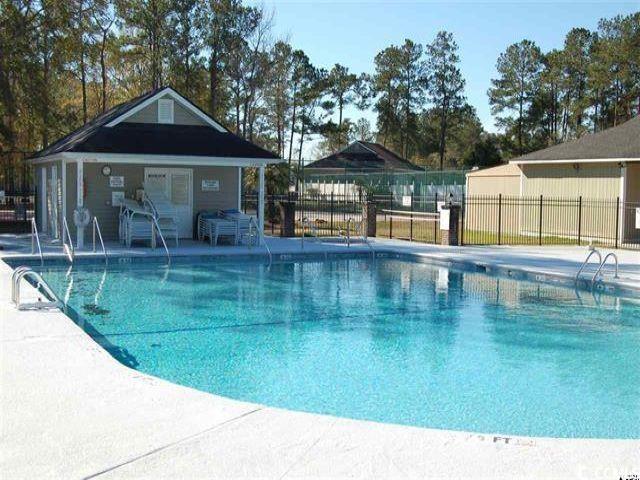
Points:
point(504, 220)
point(485, 220)
point(16, 212)
point(328, 213)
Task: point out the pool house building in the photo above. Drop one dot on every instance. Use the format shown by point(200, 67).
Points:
point(158, 141)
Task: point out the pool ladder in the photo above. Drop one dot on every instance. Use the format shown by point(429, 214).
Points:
point(601, 263)
point(313, 230)
point(24, 272)
point(359, 230)
point(35, 240)
point(260, 239)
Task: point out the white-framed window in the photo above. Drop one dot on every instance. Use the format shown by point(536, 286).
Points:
point(165, 110)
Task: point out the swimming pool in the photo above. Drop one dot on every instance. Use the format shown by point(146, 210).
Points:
point(387, 340)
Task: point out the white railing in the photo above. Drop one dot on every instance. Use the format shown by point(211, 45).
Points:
point(604, 261)
point(35, 240)
point(410, 215)
point(307, 225)
point(260, 236)
point(586, 261)
point(164, 244)
point(67, 247)
point(96, 229)
point(24, 272)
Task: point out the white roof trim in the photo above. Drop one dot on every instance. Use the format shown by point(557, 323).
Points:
point(141, 159)
point(575, 160)
point(178, 98)
point(55, 157)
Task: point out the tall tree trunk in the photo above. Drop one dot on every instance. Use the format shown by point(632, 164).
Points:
point(520, 106)
point(213, 84)
point(103, 69)
point(293, 124)
point(300, 155)
point(443, 134)
point(45, 93)
point(83, 81)
point(340, 107)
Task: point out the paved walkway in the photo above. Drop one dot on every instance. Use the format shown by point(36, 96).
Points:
point(69, 410)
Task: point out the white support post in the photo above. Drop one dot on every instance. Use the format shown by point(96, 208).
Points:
point(261, 198)
point(239, 188)
point(44, 215)
point(623, 199)
point(80, 202)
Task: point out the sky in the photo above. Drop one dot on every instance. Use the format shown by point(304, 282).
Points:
point(353, 32)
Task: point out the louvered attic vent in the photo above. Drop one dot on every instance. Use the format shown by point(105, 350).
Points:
point(165, 111)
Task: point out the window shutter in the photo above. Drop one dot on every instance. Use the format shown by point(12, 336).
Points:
point(165, 111)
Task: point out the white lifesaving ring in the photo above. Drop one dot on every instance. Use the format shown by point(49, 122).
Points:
point(81, 217)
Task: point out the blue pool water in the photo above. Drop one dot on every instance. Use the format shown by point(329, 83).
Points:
point(386, 340)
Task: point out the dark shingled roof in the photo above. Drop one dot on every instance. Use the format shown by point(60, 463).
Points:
point(622, 141)
point(153, 138)
point(364, 156)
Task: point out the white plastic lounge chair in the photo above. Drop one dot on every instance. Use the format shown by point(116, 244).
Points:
point(246, 225)
point(137, 223)
point(163, 210)
point(213, 226)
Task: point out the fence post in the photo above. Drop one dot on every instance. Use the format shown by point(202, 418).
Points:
point(499, 219)
point(435, 224)
point(464, 202)
point(411, 220)
point(617, 220)
point(331, 214)
point(579, 219)
point(540, 228)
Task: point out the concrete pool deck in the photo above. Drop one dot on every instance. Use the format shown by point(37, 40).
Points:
point(69, 410)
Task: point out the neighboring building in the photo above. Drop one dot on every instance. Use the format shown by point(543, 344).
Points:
point(339, 171)
point(159, 137)
point(600, 167)
point(362, 157)
point(603, 165)
point(502, 179)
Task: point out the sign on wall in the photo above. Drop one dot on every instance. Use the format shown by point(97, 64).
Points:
point(637, 218)
point(210, 185)
point(117, 198)
point(116, 181)
point(444, 218)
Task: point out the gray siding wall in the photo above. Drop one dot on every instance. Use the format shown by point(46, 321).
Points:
point(181, 116)
point(98, 199)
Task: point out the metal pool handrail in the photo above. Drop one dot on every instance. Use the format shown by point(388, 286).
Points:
point(157, 227)
point(96, 227)
point(16, 279)
point(67, 247)
point(261, 241)
point(595, 275)
point(35, 240)
point(313, 230)
point(595, 251)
